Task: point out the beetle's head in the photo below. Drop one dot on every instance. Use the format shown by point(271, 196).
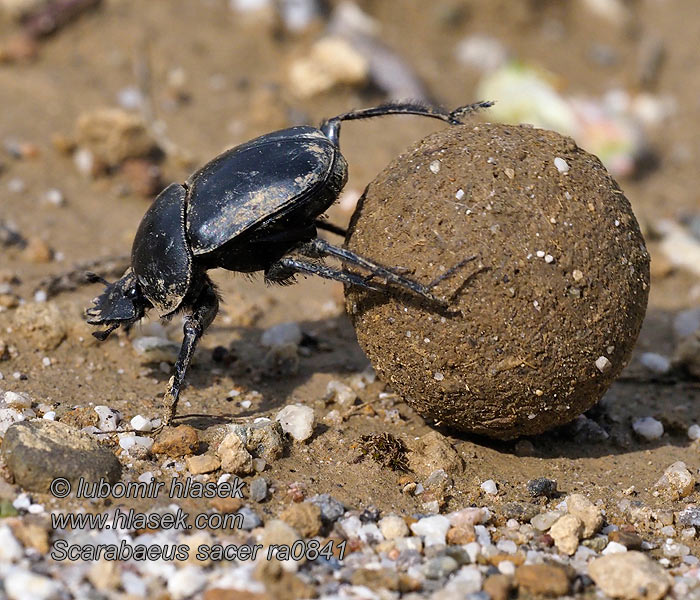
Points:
point(121, 304)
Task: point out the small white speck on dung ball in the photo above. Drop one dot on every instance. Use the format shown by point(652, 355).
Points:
point(435, 166)
point(603, 364)
point(561, 165)
point(438, 376)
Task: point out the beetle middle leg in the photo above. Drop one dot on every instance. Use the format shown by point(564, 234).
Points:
point(203, 312)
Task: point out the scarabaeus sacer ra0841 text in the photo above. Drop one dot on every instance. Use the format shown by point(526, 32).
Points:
point(253, 208)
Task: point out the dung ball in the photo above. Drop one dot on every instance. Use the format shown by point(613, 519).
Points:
point(543, 316)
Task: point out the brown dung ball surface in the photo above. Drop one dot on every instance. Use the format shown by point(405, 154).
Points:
point(544, 317)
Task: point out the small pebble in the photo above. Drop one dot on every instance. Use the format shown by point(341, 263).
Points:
point(435, 166)
point(432, 529)
point(297, 420)
point(489, 487)
point(282, 335)
point(648, 428)
point(141, 423)
point(694, 432)
point(561, 165)
point(258, 489)
point(656, 363)
point(542, 487)
point(603, 364)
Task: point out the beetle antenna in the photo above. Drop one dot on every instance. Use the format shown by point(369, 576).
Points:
point(331, 127)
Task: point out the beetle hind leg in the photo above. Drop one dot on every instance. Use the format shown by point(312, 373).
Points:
point(321, 247)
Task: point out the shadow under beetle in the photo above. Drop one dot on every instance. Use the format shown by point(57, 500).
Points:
point(253, 208)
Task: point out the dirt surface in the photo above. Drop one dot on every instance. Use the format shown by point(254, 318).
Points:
point(217, 79)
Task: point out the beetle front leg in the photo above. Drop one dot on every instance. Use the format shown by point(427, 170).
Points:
point(203, 312)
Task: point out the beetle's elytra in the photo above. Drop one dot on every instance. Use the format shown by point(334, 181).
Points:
point(253, 208)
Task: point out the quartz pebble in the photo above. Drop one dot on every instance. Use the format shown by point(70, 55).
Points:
point(297, 420)
point(20, 584)
point(393, 526)
point(561, 165)
point(676, 482)
point(432, 529)
point(489, 487)
point(590, 515)
point(694, 432)
point(141, 423)
point(648, 428)
point(282, 335)
point(656, 363)
point(234, 456)
point(566, 533)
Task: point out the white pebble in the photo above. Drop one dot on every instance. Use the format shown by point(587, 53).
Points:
point(506, 567)
point(340, 393)
point(393, 526)
point(55, 196)
point(35, 509)
point(109, 418)
point(656, 363)
point(297, 420)
point(146, 477)
point(20, 583)
point(10, 549)
point(694, 432)
point(648, 428)
point(432, 529)
point(614, 548)
point(489, 486)
point(435, 166)
point(186, 582)
point(460, 194)
point(50, 416)
point(437, 376)
point(561, 165)
point(282, 335)
point(141, 423)
point(22, 502)
point(129, 442)
point(603, 364)
point(16, 400)
point(540, 254)
point(548, 258)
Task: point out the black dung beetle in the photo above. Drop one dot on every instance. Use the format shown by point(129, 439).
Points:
point(253, 208)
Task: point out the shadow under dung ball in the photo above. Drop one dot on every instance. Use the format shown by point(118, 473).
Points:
point(542, 320)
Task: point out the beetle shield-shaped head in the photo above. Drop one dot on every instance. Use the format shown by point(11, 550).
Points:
point(121, 303)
